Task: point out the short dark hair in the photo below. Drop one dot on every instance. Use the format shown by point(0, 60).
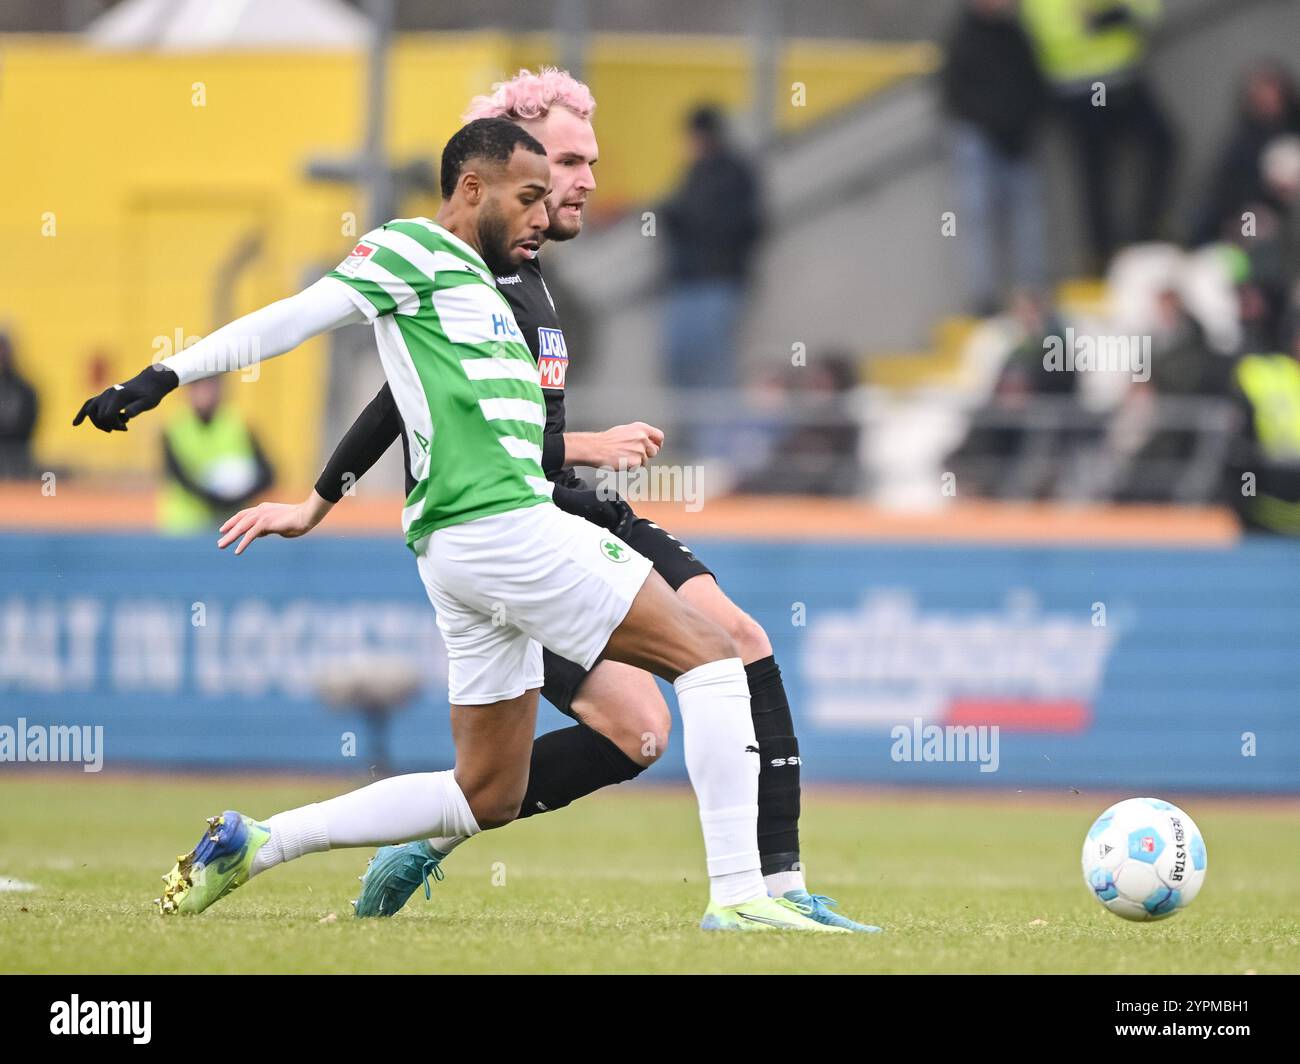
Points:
point(706, 119)
point(484, 138)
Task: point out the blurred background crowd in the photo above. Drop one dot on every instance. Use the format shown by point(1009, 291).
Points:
point(832, 249)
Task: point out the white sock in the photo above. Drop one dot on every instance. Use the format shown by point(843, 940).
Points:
point(293, 834)
point(722, 762)
point(779, 883)
point(445, 845)
point(398, 809)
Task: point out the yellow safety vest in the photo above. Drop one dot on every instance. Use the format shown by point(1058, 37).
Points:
point(1271, 384)
point(198, 446)
point(1069, 53)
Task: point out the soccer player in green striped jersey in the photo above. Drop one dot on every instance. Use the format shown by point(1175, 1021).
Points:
point(503, 566)
point(449, 344)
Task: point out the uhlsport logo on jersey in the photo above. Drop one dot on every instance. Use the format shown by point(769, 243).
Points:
point(552, 357)
point(357, 258)
point(614, 550)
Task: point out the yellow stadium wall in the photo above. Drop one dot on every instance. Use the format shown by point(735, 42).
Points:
point(128, 179)
point(645, 86)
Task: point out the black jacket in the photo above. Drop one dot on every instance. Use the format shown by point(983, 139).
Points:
point(1238, 183)
point(991, 80)
point(713, 219)
point(18, 408)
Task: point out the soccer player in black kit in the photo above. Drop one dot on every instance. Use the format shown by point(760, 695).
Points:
point(622, 721)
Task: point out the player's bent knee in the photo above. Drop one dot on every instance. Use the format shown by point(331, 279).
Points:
point(696, 641)
point(640, 729)
point(493, 807)
point(652, 726)
point(714, 643)
point(750, 638)
point(495, 813)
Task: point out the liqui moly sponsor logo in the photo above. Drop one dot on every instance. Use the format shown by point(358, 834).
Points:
point(552, 358)
point(890, 662)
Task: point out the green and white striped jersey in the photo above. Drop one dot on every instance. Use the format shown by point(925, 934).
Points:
point(463, 378)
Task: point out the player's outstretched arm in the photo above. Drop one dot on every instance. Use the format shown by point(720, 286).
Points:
point(622, 447)
point(289, 520)
point(263, 334)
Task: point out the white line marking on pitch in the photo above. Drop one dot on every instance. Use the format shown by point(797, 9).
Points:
point(15, 886)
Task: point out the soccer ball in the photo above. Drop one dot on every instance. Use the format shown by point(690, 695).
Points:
point(1144, 859)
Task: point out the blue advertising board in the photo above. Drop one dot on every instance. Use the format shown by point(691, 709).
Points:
point(998, 667)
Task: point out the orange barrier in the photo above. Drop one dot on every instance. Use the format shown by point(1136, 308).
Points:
point(23, 507)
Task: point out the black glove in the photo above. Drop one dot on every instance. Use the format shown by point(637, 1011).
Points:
point(112, 408)
point(608, 512)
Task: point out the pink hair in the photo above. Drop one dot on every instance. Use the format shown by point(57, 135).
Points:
point(528, 95)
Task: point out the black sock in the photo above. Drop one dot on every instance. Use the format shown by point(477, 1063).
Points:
point(572, 762)
point(778, 775)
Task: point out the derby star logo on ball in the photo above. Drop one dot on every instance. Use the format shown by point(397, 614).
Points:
point(613, 550)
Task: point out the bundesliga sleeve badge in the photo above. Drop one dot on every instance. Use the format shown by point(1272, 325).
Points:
point(357, 258)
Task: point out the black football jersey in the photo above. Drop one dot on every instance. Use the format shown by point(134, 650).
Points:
point(536, 316)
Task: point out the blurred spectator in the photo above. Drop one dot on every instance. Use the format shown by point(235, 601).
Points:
point(1026, 371)
point(1273, 248)
point(1264, 477)
point(1016, 445)
point(994, 93)
point(1269, 108)
point(18, 409)
point(213, 461)
point(1260, 311)
point(712, 223)
point(1182, 361)
point(1085, 43)
point(1183, 366)
point(819, 454)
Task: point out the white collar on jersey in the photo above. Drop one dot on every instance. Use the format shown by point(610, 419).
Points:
point(478, 263)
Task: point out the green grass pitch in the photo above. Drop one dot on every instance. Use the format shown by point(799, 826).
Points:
point(615, 884)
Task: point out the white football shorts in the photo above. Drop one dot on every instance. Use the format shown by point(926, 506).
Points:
point(505, 586)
